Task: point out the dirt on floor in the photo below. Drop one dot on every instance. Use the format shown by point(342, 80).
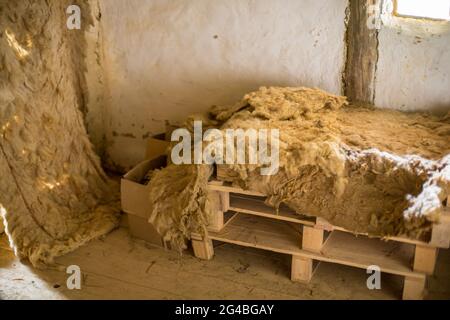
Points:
point(234, 273)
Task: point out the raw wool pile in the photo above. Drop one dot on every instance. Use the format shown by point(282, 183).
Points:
point(186, 202)
point(180, 199)
point(55, 194)
point(368, 170)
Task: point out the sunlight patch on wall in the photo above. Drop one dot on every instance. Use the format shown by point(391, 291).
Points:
point(2, 214)
point(13, 43)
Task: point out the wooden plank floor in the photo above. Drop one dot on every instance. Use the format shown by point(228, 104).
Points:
point(119, 267)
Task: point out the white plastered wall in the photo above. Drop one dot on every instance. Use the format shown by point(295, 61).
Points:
point(156, 61)
point(413, 69)
point(164, 60)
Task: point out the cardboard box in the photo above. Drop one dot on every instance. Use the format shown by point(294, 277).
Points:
point(135, 195)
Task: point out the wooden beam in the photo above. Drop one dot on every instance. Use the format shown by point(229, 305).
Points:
point(216, 221)
point(219, 202)
point(413, 288)
point(312, 239)
point(225, 201)
point(301, 269)
point(203, 249)
point(440, 234)
point(425, 259)
point(362, 52)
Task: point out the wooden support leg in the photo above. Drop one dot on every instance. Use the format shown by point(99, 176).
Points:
point(425, 259)
point(216, 221)
point(301, 269)
point(222, 204)
point(414, 288)
point(312, 239)
point(224, 201)
point(440, 235)
point(203, 249)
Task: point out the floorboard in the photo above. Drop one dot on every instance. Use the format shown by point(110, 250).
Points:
point(120, 267)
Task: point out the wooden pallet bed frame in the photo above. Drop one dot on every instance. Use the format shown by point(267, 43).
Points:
point(243, 219)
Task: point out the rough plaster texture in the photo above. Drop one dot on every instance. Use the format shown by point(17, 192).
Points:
point(413, 71)
point(165, 60)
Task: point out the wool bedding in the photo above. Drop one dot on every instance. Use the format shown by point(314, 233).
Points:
point(381, 172)
point(54, 195)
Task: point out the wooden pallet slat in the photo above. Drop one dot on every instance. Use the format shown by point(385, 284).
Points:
point(301, 269)
point(425, 259)
point(313, 239)
point(440, 234)
point(226, 187)
point(341, 248)
point(413, 288)
point(245, 204)
point(246, 230)
point(362, 252)
point(203, 248)
point(244, 219)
